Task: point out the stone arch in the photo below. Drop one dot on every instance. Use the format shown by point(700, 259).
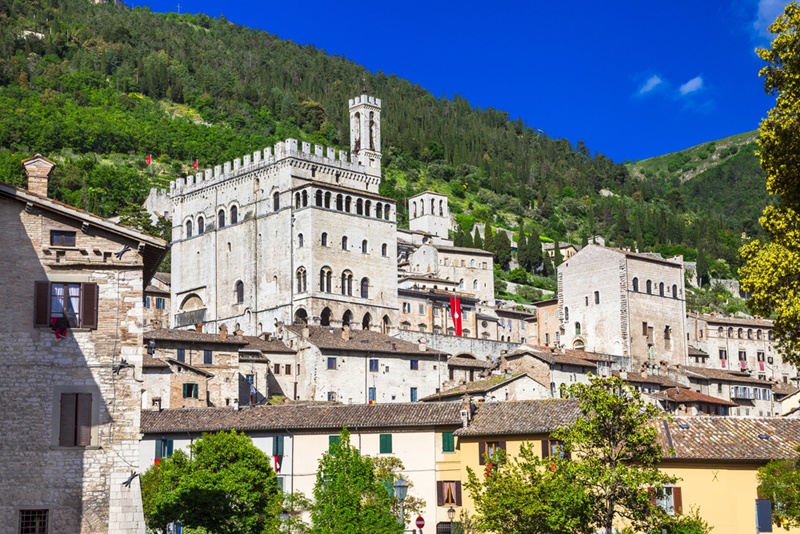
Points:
point(221, 218)
point(301, 316)
point(366, 321)
point(348, 203)
point(234, 214)
point(192, 301)
point(325, 317)
point(318, 198)
point(347, 318)
point(386, 325)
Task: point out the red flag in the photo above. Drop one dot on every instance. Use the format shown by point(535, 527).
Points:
point(148, 159)
point(194, 165)
point(455, 313)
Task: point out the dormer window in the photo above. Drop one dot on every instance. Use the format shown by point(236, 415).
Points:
point(62, 238)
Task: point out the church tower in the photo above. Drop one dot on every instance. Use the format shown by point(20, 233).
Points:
point(365, 132)
point(428, 212)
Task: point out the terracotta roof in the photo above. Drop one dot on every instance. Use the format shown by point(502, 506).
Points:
point(190, 367)
point(729, 438)
point(361, 341)
point(192, 336)
point(461, 250)
point(697, 352)
point(149, 361)
point(273, 345)
point(476, 386)
point(456, 361)
point(548, 245)
point(687, 396)
point(722, 375)
point(524, 314)
point(157, 290)
point(545, 355)
point(781, 388)
point(299, 417)
point(649, 379)
point(164, 278)
point(645, 256)
point(521, 417)
point(711, 319)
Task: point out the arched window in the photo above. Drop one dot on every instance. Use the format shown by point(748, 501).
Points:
point(325, 279)
point(367, 208)
point(359, 207)
point(305, 198)
point(324, 239)
point(300, 317)
point(674, 291)
point(758, 334)
point(221, 219)
point(433, 207)
point(339, 202)
point(475, 284)
point(384, 250)
point(347, 318)
point(300, 276)
point(318, 198)
point(730, 331)
point(299, 240)
point(414, 206)
point(201, 225)
point(364, 247)
point(276, 201)
point(347, 283)
point(739, 333)
point(441, 208)
point(749, 333)
point(328, 199)
point(472, 263)
point(649, 287)
point(577, 329)
point(297, 201)
point(566, 313)
point(325, 317)
point(365, 322)
point(188, 229)
point(234, 215)
point(379, 210)
point(636, 285)
point(597, 297)
point(347, 204)
point(387, 211)
point(365, 288)
point(661, 288)
point(386, 325)
point(239, 292)
point(720, 332)
point(461, 284)
point(344, 242)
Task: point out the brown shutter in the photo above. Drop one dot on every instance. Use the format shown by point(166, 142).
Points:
point(84, 426)
point(88, 305)
point(482, 452)
point(439, 493)
point(677, 500)
point(41, 304)
point(458, 493)
point(66, 436)
point(502, 445)
point(545, 448)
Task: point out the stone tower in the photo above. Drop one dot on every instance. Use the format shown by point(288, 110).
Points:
point(428, 212)
point(365, 132)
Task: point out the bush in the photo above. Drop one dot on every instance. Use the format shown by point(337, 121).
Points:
point(518, 276)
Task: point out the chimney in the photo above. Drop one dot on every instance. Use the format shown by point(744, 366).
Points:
point(306, 332)
point(198, 327)
point(466, 411)
point(38, 170)
point(503, 362)
point(223, 332)
point(346, 333)
point(623, 374)
point(423, 344)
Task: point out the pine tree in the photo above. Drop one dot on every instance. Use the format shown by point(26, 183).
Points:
point(477, 241)
point(502, 247)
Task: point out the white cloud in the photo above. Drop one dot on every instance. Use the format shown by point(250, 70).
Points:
point(768, 11)
point(651, 83)
point(695, 84)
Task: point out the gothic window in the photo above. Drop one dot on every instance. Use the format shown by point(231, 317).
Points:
point(325, 279)
point(577, 329)
point(359, 207)
point(379, 210)
point(364, 246)
point(661, 289)
point(344, 242)
point(221, 219)
point(318, 198)
point(239, 292)
point(347, 318)
point(305, 198)
point(674, 291)
point(300, 276)
point(276, 201)
point(365, 322)
point(365, 288)
point(348, 202)
point(367, 208)
point(234, 215)
point(201, 226)
point(347, 283)
point(339, 202)
point(188, 229)
point(636, 285)
point(297, 201)
point(649, 287)
point(324, 239)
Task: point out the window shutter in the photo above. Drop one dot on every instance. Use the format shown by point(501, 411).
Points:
point(277, 446)
point(159, 449)
point(170, 444)
point(448, 442)
point(66, 437)
point(88, 305)
point(385, 443)
point(482, 452)
point(439, 493)
point(195, 389)
point(84, 436)
point(651, 492)
point(677, 500)
point(545, 448)
point(501, 445)
point(458, 493)
point(41, 304)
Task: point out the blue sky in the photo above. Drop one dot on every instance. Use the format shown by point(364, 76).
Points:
point(630, 79)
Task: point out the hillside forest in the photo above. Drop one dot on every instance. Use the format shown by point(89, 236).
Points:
point(98, 87)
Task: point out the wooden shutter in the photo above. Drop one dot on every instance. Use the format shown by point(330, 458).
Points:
point(159, 449)
point(67, 430)
point(41, 304)
point(448, 442)
point(439, 493)
point(651, 492)
point(88, 305)
point(482, 452)
point(502, 445)
point(677, 500)
point(458, 493)
point(545, 448)
point(84, 420)
point(170, 445)
point(385, 443)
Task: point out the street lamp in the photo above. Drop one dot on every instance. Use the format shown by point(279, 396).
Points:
point(401, 490)
point(451, 514)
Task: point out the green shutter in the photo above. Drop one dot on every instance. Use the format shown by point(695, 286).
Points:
point(448, 442)
point(159, 449)
point(170, 444)
point(277, 446)
point(195, 389)
point(332, 440)
point(386, 443)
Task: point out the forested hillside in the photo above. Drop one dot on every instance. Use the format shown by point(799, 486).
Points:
point(96, 88)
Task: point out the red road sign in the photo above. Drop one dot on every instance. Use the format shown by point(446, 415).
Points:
point(420, 522)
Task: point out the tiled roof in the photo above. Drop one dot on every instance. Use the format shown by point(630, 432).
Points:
point(697, 352)
point(455, 361)
point(545, 355)
point(190, 367)
point(521, 417)
point(273, 345)
point(717, 320)
point(687, 396)
point(476, 386)
point(157, 290)
point(781, 388)
point(192, 336)
point(649, 379)
point(362, 341)
point(299, 417)
point(149, 361)
point(521, 313)
point(729, 438)
point(720, 375)
point(462, 250)
point(164, 278)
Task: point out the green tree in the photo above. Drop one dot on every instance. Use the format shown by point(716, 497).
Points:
point(535, 253)
point(227, 486)
point(349, 498)
point(477, 241)
point(779, 481)
point(502, 247)
point(522, 249)
point(618, 449)
point(772, 270)
point(558, 259)
point(468, 240)
point(488, 238)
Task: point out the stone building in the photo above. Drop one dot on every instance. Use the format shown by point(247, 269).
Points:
point(72, 351)
point(288, 234)
point(157, 301)
point(627, 305)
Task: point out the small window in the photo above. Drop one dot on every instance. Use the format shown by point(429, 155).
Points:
point(276, 201)
point(324, 239)
point(276, 368)
point(277, 445)
point(299, 240)
point(448, 442)
point(577, 329)
point(208, 357)
point(566, 313)
point(421, 308)
point(62, 238)
point(201, 225)
point(674, 291)
point(161, 303)
point(661, 289)
point(448, 493)
point(364, 246)
point(239, 292)
point(234, 215)
point(75, 420)
point(181, 355)
point(414, 365)
point(372, 395)
point(287, 369)
point(413, 394)
point(190, 390)
point(365, 288)
point(164, 448)
point(61, 306)
point(723, 354)
point(331, 396)
point(386, 444)
point(333, 440)
point(597, 297)
point(373, 366)
point(332, 362)
point(188, 229)
point(636, 285)
point(644, 328)
point(384, 250)
point(221, 219)
point(147, 302)
point(33, 521)
point(649, 287)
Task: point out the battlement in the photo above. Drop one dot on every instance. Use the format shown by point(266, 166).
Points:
point(290, 148)
point(364, 99)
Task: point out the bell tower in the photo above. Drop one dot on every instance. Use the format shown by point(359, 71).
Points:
point(365, 132)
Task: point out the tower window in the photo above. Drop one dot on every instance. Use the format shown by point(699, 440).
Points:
point(276, 201)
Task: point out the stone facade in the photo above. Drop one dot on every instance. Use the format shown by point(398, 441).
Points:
point(157, 301)
point(70, 405)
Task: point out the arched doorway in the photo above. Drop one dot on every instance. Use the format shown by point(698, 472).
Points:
point(385, 325)
point(300, 317)
point(325, 317)
point(366, 321)
point(347, 318)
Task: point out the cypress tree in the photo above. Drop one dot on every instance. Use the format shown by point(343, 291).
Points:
point(458, 238)
point(522, 250)
point(535, 254)
point(477, 242)
point(467, 240)
point(558, 259)
point(502, 247)
point(548, 270)
point(488, 238)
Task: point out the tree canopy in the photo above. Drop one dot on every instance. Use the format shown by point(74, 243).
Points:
point(779, 481)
